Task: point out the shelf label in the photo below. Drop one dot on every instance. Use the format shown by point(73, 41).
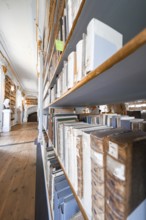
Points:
point(59, 45)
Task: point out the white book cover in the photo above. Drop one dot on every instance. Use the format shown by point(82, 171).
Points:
point(75, 8)
point(70, 18)
point(84, 56)
point(58, 86)
point(73, 154)
point(56, 120)
point(76, 133)
point(102, 42)
point(52, 190)
point(79, 57)
point(65, 77)
point(87, 181)
point(67, 145)
point(109, 116)
point(71, 149)
point(71, 69)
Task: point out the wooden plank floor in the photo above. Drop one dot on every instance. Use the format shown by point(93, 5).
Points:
point(18, 173)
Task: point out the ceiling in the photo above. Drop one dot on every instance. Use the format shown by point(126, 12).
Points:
point(18, 39)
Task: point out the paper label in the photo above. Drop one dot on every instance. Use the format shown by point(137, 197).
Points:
point(98, 157)
point(59, 45)
point(113, 149)
point(119, 172)
point(116, 168)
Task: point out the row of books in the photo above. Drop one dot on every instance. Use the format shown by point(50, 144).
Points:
point(93, 49)
point(65, 25)
point(62, 202)
point(66, 21)
point(111, 120)
point(106, 167)
point(115, 121)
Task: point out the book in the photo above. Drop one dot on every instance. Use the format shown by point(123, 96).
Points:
point(87, 187)
point(70, 18)
point(101, 43)
point(78, 156)
point(98, 167)
point(60, 118)
point(64, 80)
point(125, 175)
point(71, 70)
point(79, 57)
point(68, 208)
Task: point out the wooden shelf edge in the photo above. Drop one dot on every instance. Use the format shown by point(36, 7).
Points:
point(129, 48)
point(67, 41)
point(72, 188)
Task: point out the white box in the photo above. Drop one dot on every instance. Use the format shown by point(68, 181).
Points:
point(71, 69)
point(101, 43)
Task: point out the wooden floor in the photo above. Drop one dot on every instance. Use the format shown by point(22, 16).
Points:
point(18, 173)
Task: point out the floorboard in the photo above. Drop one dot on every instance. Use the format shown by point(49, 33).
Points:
point(18, 173)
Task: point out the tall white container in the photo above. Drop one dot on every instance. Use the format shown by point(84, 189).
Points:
point(101, 43)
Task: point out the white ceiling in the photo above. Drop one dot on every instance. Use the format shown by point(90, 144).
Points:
point(18, 36)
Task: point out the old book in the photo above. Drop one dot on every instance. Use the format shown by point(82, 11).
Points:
point(60, 118)
point(125, 175)
point(68, 208)
point(61, 138)
point(87, 188)
point(56, 177)
point(122, 118)
point(133, 124)
point(79, 54)
point(71, 69)
point(60, 196)
point(102, 42)
point(136, 124)
point(64, 77)
point(69, 14)
point(77, 155)
point(71, 150)
point(58, 79)
point(84, 55)
point(98, 166)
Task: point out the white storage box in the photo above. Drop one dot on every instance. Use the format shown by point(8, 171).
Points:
point(102, 42)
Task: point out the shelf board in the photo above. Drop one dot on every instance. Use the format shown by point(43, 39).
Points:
point(72, 188)
point(113, 14)
point(119, 79)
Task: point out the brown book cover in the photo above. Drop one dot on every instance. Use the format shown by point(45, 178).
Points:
point(125, 172)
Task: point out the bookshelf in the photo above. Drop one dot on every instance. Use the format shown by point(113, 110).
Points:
point(128, 63)
point(29, 101)
point(113, 14)
point(121, 78)
point(11, 95)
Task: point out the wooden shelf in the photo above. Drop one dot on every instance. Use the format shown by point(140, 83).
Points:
point(113, 14)
point(119, 79)
point(72, 188)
